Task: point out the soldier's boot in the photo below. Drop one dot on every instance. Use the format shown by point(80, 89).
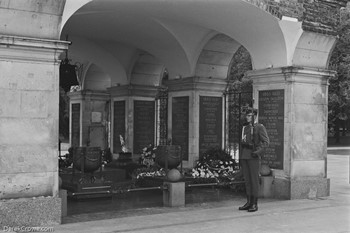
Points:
point(254, 206)
point(247, 205)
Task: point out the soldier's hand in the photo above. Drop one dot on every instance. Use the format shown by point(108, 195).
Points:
point(255, 154)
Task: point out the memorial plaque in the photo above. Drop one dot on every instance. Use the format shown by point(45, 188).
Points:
point(75, 125)
point(118, 124)
point(180, 124)
point(144, 123)
point(271, 115)
point(210, 123)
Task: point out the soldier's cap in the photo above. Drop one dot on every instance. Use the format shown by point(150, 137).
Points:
point(252, 110)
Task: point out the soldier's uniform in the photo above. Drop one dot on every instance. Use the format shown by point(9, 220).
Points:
point(253, 143)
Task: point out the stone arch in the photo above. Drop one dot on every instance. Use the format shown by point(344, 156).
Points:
point(70, 8)
point(96, 79)
point(147, 70)
point(175, 35)
point(215, 57)
point(86, 51)
point(313, 50)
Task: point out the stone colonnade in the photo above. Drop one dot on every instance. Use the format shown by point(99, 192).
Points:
point(298, 132)
point(29, 147)
point(130, 111)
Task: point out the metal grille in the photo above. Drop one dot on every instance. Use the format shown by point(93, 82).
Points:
point(162, 116)
point(237, 101)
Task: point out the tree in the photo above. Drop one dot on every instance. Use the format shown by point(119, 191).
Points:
point(339, 88)
point(240, 64)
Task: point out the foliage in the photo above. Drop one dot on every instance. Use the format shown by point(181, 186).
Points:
point(148, 155)
point(216, 163)
point(241, 63)
point(339, 88)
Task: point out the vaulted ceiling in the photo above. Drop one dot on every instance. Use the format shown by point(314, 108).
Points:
point(113, 33)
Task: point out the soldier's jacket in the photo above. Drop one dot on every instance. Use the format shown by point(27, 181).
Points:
point(259, 141)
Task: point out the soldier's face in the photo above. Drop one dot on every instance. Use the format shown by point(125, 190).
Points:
point(249, 117)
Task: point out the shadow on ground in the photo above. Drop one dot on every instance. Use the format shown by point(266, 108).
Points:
point(146, 203)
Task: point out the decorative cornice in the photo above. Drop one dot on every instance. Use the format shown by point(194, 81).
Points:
point(33, 42)
point(88, 94)
point(196, 83)
point(291, 74)
point(31, 49)
point(133, 90)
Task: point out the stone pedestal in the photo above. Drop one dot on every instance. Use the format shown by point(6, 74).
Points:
point(302, 161)
point(265, 188)
point(301, 188)
point(89, 126)
point(196, 115)
point(63, 195)
point(133, 117)
point(174, 195)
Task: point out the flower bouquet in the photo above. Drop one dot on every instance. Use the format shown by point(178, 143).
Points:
point(148, 156)
point(149, 176)
point(216, 163)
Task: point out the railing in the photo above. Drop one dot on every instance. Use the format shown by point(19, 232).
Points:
point(111, 191)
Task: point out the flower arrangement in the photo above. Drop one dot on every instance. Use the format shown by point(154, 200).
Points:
point(148, 156)
point(153, 172)
point(215, 163)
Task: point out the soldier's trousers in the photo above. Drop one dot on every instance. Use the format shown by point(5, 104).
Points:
point(251, 170)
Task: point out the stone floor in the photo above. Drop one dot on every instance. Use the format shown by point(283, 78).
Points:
point(151, 202)
point(321, 215)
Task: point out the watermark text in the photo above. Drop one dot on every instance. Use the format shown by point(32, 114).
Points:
point(27, 229)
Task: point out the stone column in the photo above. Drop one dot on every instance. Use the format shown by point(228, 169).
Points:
point(126, 102)
point(29, 93)
point(93, 122)
point(302, 168)
point(190, 91)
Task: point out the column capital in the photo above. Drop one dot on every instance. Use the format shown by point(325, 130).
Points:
point(133, 90)
point(290, 74)
point(26, 49)
point(88, 94)
point(197, 84)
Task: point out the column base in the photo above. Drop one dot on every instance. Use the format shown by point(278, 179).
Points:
point(301, 188)
point(63, 195)
point(174, 195)
point(265, 189)
point(41, 211)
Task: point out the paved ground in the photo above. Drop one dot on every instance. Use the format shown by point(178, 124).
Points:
point(330, 214)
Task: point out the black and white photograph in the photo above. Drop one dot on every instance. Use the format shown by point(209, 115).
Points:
point(161, 116)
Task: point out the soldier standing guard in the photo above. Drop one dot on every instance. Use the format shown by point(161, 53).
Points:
point(253, 143)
